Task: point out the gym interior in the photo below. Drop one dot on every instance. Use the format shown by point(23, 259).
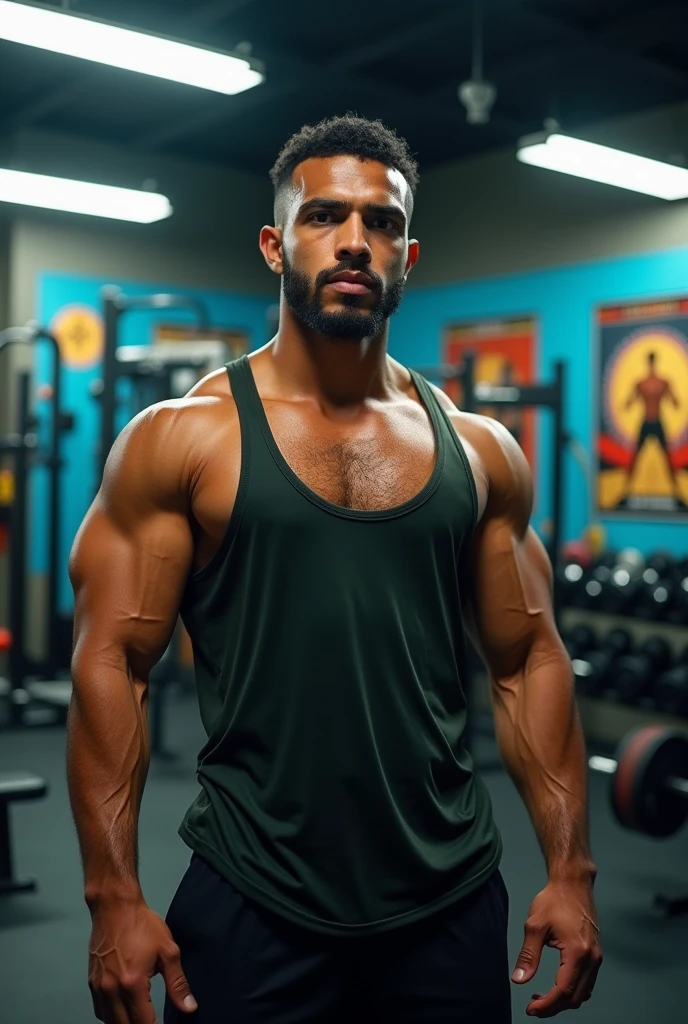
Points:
point(551, 294)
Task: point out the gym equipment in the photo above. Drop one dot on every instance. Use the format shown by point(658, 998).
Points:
point(15, 786)
point(649, 792)
point(594, 667)
point(671, 692)
point(26, 453)
point(649, 780)
point(634, 675)
point(655, 589)
point(115, 305)
point(164, 370)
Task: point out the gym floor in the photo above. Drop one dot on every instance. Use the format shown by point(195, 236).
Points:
point(44, 936)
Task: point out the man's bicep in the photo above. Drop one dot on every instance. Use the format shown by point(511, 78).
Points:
point(511, 595)
point(129, 566)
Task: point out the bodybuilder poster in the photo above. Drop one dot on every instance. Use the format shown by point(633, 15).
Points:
point(642, 410)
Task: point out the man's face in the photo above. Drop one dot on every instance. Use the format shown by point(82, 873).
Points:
point(345, 249)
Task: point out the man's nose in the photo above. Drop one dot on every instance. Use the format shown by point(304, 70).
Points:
point(352, 241)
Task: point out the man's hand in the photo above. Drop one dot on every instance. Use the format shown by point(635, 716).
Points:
point(129, 944)
point(563, 915)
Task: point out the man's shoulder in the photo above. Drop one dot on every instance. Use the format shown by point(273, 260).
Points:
point(166, 443)
point(476, 426)
point(500, 456)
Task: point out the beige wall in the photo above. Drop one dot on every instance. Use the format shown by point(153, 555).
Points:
point(4, 314)
point(492, 215)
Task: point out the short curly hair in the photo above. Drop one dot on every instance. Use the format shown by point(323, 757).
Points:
point(348, 135)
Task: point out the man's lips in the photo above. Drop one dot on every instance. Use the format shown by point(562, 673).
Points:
point(351, 282)
point(351, 287)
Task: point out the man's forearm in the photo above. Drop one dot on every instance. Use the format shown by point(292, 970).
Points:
point(541, 742)
point(108, 754)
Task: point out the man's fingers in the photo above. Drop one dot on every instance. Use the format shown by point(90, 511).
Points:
point(137, 998)
point(529, 958)
point(549, 1005)
point(587, 982)
point(571, 986)
point(115, 1011)
point(175, 981)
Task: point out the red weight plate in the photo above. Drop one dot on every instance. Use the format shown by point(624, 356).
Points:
point(624, 781)
point(648, 758)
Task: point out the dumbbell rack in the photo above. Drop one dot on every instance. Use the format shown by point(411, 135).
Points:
point(606, 723)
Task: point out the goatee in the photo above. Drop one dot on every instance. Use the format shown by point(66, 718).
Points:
point(348, 323)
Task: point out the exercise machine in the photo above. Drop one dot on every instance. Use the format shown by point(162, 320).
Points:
point(24, 448)
point(115, 306)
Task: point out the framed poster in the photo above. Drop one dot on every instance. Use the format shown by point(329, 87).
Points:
point(504, 353)
point(641, 418)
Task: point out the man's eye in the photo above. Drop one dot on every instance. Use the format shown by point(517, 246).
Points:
point(321, 214)
point(384, 223)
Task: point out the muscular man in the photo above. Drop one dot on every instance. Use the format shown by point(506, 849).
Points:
point(652, 391)
point(330, 526)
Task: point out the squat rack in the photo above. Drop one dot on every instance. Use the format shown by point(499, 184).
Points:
point(24, 447)
point(115, 305)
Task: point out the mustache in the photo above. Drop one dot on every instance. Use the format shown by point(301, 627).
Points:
point(325, 275)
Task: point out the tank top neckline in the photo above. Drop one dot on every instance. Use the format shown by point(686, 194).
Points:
point(419, 499)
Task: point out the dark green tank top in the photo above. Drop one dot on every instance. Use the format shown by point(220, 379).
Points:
point(328, 648)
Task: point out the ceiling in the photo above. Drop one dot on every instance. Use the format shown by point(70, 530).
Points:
point(581, 61)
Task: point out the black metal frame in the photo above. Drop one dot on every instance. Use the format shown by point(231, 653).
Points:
point(115, 304)
point(24, 448)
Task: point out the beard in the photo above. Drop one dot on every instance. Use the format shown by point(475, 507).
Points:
point(353, 323)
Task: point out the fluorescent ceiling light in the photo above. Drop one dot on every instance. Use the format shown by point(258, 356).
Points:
point(558, 152)
point(82, 197)
point(91, 39)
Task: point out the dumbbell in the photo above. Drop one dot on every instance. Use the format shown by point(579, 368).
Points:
point(571, 579)
point(625, 585)
point(593, 666)
point(649, 791)
point(678, 614)
point(662, 562)
point(671, 692)
point(635, 675)
point(578, 639)
point(577, 569)
point(612, 584)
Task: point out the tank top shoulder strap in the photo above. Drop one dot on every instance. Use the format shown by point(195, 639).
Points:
point(447, 428)
point(241, 392)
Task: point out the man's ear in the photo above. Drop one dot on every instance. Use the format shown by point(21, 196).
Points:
point(271, 248)
point(413, 254)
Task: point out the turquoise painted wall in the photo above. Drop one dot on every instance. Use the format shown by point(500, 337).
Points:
point(564, 300)
point(248, 313)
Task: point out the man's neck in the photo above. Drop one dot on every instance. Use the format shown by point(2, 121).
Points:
point(339, 373)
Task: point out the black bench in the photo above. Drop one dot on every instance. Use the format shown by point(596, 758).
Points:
point(15, 786)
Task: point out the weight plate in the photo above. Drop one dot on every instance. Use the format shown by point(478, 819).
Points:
point(647, 758)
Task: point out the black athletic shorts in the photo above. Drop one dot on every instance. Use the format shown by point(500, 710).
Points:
point(652, 428)
point(244, 963)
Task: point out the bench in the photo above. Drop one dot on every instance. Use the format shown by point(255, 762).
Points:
point(15, 786)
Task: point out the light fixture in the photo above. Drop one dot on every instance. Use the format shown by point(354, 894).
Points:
point(82, 197)
point(558, 152)
point(96, 40)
